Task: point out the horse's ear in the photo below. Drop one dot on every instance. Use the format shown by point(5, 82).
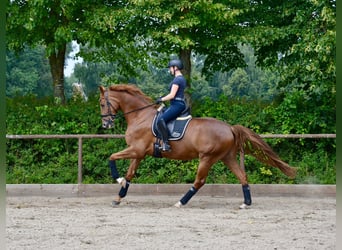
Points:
point(102, 89)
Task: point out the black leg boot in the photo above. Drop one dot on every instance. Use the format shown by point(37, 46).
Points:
point(164, 134)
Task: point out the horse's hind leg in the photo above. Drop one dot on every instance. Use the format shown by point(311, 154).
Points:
point(202, 173)
point(240, 173)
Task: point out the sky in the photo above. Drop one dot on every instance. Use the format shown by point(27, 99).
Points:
point(72, 60)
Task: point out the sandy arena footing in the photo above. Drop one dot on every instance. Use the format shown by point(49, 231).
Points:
point(85, 221)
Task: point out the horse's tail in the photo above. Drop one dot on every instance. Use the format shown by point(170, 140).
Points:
point(254, 145)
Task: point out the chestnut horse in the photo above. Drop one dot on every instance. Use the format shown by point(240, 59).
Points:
point(208, 139)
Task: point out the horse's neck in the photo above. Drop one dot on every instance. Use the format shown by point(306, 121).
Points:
point(135, 109)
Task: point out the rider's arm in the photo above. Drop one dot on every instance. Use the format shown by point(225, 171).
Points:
point(172, 93)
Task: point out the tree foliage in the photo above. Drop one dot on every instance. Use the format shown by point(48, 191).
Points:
point(55, 160)
point(298, 39)
point(294, 42)
point(52, 24)
point(147, 29)
point(28, 73)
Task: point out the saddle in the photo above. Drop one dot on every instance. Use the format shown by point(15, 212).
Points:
point(176, 127)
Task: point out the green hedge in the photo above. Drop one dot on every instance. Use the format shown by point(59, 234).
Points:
point(55, 160)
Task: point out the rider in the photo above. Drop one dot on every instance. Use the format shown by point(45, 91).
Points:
point(176, 98)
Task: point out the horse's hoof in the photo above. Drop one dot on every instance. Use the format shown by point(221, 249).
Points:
point(115, 203)
point(244, 206)
point(178, 204)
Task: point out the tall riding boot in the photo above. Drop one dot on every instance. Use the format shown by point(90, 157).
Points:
point(164, 134)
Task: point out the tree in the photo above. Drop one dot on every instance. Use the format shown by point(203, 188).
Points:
point(298, 39)
point(299, 36)
point(238, 84)
point(28, 73)
point(93, 74)
point(52, 24)
point(148, 29)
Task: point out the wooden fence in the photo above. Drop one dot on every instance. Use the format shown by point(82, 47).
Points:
point(80, 138)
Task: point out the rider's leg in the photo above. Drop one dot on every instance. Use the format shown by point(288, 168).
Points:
point(164, 134)
point(171, 113)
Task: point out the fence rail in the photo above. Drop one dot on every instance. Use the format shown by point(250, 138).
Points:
point(80, 138)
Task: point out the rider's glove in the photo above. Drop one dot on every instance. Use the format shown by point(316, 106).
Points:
point(158, 101)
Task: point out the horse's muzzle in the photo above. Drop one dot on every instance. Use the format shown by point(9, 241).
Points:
point(107, 124)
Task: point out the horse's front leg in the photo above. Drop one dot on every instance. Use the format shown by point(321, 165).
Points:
point(128, 153)
point(126, 181)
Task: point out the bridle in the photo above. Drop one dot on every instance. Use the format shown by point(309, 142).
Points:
point(110, 121)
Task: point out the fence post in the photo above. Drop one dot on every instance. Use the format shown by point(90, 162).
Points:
point(79, 177)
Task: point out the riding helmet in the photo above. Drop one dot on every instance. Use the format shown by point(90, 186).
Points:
point(175, 62)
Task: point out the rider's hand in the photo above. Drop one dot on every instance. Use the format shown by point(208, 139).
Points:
point(158, 101)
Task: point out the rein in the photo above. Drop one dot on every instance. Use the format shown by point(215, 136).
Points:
point(138, 109)
point(113, 116)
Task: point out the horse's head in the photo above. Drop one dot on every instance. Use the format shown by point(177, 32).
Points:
point(108, 109)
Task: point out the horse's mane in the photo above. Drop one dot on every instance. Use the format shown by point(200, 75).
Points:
point(131, 89)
